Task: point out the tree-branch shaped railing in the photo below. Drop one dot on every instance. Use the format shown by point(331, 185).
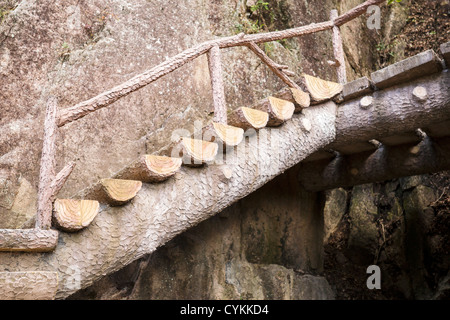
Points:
point(42, 238)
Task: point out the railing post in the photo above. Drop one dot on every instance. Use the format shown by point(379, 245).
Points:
point(276, 68)
point(215, 71)
point(338, 50)
point(47, 170)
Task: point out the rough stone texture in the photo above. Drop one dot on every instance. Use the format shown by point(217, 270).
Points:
point(361, 59)
point(400, 225)
point(43, 50)
point(334, 208)
point(357, 88)
point(259, 248)
point(423, 64)
point(445, 51)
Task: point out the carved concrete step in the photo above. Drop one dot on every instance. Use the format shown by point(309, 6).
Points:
point(320, 90)
point(28, 285)
point(195, 152)
point(279, 110)
point(420, 65)
point(357, 88)
point(73, 215)
point(298, 97)
point(150, 168)
point(114, 192)
point(226, 135)
point(248, 118)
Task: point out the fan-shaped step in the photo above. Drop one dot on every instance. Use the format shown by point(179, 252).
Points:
point(321, 90)
point(114, 192)
point(279, 110)
point(28, 240)
point(73, 215)
point(151, 168)
point(195, 152)
point(28, 285)
point(248, 118)
point(228, 136)
point(301, 99)
point(298, 97)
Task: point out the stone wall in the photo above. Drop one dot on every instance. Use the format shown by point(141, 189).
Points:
point(400, 225)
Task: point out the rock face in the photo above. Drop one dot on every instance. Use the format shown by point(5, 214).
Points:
point(401, 226)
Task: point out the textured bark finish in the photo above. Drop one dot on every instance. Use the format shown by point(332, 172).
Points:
point(383, 164)
point(355, 12)
point(106, 98)
point(218, 92)
point(47, 169)
point(159, 212)
point(275, 67)
point(28, 240)
point(60, 179)
point(338, 50)
point(32, 285)
point(394, 106)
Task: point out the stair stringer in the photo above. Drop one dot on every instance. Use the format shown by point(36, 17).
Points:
point(159, 212)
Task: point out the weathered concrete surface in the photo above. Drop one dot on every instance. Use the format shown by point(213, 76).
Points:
point(420, 65)
point(357, 88)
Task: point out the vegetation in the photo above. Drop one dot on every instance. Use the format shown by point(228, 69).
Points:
point(6, 7)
